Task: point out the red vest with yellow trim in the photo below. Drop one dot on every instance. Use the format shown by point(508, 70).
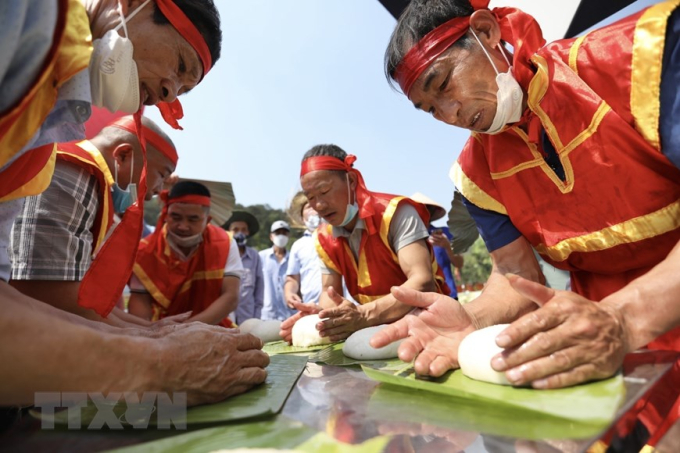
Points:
point(378, 268)
point(617, 214)
point(180, 286)
point(87, 156)
point(69, 54)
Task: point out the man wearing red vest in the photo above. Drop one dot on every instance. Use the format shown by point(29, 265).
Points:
point(574, 153)
point(59, 231)
point(187, 264)
point(373, 240)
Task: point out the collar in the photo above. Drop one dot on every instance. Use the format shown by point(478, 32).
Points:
point(341, 232)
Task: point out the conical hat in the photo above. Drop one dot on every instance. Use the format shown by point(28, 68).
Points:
point(436, 210)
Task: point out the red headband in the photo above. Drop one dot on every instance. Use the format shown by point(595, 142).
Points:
point(127, 123)
point(172, 111)
point(327, 163)
point(192, 199)
point(518, 28)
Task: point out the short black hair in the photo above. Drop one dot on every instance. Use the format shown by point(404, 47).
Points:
point(327, 150)
point(188, 188)
point(418, 19)
point(205, 17)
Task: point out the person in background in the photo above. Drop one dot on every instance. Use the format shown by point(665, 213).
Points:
point(243, 225)
point(303, 276)
point(186, 264)
point(274, 266)
point(441, 241)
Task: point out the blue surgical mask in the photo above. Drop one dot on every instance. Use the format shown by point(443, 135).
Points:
point(241, 239)
point(123, 199)
point(352, 208)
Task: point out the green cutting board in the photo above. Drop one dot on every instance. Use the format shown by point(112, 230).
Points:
point(282, 347)
point(333, 355)
point(264, 400)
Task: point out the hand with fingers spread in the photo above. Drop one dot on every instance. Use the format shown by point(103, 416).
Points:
point(432, 333)
point(210, 363)
point(568, 340)
point(170, 320)
point(286, 331)
point(342, 320)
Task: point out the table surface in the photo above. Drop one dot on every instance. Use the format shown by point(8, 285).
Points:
point(337, 400)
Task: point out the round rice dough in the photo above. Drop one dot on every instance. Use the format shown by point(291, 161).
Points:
point(357, 345)
point(476, 351)
point(305, 333)
point(267, 331)
point(249, 324)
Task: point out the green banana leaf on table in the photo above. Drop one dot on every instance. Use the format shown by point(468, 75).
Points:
point(281, 433)
point(282, 347)
point(592, 404)
point(333, 355)
point(264, 400)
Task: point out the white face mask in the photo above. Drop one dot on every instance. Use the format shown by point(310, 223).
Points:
point(280, 240)
point(113, 72)
point(185, 242)
point(312, 222)
point(508, 98)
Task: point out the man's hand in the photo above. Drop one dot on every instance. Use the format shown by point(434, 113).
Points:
point(210, 363)
point(439, 239)
point(432, 333)
point(342, 320)
point(292, 299)
point(567, 341)
point(171, 320)
point(286, 331)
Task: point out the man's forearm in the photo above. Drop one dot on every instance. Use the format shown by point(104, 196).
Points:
point(387, 309)
point(650, 304)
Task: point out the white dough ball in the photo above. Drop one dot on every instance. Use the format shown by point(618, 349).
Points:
point(357, 345)
point(305, 333)
point(475, 353)
point(249, 324)
point(267, 331)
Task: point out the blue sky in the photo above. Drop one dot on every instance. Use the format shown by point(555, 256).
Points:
point(298, 73)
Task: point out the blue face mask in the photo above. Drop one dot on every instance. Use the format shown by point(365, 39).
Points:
point(241, 239)
point(352, 208)
point(123, 199)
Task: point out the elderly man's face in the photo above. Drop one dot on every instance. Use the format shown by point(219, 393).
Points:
point(239, 227)
point(186, 219)
point(167, 64)
point(327, 193)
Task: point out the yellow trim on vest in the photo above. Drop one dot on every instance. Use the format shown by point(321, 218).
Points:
point(72, 56)
point(573, 53)
point(365, 299)
point(516, 169)
point(322, 253)
point(386, 222)
point(150, 286)
point(38, 183)
point(202, 275)
point(473, 192)
point(104, 168)
point(648, 48)
point(537, 89)
point(598, 447)
point(363, 277)
point(637, 229)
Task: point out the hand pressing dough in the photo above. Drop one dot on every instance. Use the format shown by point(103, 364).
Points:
point(305, 333)
point(357, 345)
point(475, 353)
point(267, 331)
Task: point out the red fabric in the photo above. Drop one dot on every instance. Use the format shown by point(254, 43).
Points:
point(99, 119)
point(110, 271)
point(171, 113)
point(383, 269)
point(617, 176)
point(71, 152)
point(517, 28)
point(127, 123)
point(25, 168)
point(192, 199)
point(169, 274)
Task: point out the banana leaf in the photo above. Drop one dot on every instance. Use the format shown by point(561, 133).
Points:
point(451, 413)
point(281, 433)
point(282, 347)
point(592, 403)
point(333, 356)
point(264, 400)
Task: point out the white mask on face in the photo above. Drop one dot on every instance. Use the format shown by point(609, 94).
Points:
point(280, 240)
point(113, 72)
point(312, 222)
point(185, 242)
point(508, 98)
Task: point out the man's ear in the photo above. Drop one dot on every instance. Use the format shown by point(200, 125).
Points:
point(123, 153)
point(485, 25)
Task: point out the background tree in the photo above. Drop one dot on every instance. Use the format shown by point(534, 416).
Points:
point(477, 267)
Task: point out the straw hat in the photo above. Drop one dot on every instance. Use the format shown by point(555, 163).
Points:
point(436, 210)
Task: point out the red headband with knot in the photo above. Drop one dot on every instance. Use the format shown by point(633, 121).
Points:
point(172, 111)
point(189, 198)
point(127, 123)
point(517, 28)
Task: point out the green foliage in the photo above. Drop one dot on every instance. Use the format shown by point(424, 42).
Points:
point(266, 215)
point(477, 267)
